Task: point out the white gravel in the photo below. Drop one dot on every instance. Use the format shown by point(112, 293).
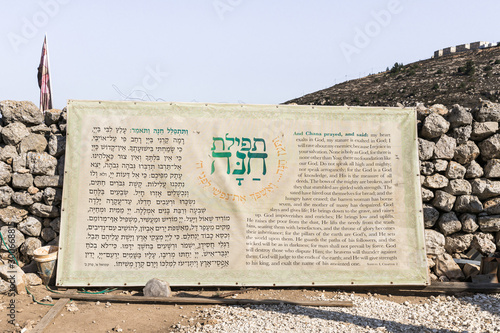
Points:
point(477, 313)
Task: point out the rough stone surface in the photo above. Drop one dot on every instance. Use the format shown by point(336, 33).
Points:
point(492, 168)
point(440, 165)
point(22, 181)
point(41, 210)
point(12, 214)
point(445, 265)
point(458, 187)
point(489, 223)
point(462, 134)
point(25, 112)
point(48, 234)
point(157, 288)
point(8, 271)
point(8, 153)
point(455, 170)
point(469, 223)
point(30, 245)
point(5, 174)
point(425, 149)
point(481, 131)
point(13, 242)
point(434, 126)
point(487, 111)
point(443, 200)
point(459, 116)
point(436, 181)
point(449, 223)
point(52, 116)
point(33, 142)
point(57, 145)
point(468, 204)
point(474, 170)
point(490, 148)
point(485, 188)
point(32, 226)
point(41, 164)
point(434, 242)
point(13, 133)
point(426, 168)
point(427, 195)
point(492, 206)
point(33, 279)
point(5, 196)
point(445, 148)
point(458, 243)
point(431, 215)
point(22, 198)
point(48, 181)
point(483, 243)
point(466, 153)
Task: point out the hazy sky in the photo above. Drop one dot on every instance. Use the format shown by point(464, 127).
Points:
point(231, 51)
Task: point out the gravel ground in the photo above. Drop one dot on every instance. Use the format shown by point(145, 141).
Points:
point(476, 313)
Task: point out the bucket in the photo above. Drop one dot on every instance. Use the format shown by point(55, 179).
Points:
point(46, 258)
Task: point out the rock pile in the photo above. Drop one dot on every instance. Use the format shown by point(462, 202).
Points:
point(459, 151)
point(32, 146)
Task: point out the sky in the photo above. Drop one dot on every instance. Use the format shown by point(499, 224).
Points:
point(222, 51)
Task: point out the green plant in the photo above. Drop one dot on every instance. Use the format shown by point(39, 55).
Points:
point(497, 62)
point(439, 71)
point(468, 69)
point(398, 67)
point(411, 72)
point(488, 68)
point(462, 85)
point(377, 80)
point(435, 86)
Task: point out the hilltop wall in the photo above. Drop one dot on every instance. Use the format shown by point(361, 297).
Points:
point(459, 152)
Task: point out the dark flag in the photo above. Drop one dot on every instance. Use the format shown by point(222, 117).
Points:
point(44, 79)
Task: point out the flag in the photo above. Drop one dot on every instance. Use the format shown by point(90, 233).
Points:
point(44, 79)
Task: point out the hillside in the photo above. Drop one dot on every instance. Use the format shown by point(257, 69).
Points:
point(460, 78)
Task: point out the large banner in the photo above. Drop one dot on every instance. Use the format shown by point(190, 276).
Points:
point(240, 195)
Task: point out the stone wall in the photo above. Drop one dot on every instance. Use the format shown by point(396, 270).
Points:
point(459, 152)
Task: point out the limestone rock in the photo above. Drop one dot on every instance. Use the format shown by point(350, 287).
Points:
point(57, 145)
point(48, 181)
point(13, 133)
point(157, 288)
point(33, 279)
point(14, 241)
point(466, 153)
point(440, 165)
point(30, 245)
point(8, 153)
point(5, 196)
point(4, 286)
point(431, 215)
point(436, 181)
point(55, 224)
point(443, 201)
point(52, 196)
point(459, 116)
point(455, 170)
point(474, 170)
point(492, 168)
point(19, 164)
point(41, 164)
point(490, 148)
point(485, 188)
point(446, 266)
point(5, 174)
point(468, 204)
point(426, 168)
point(445, 148)
point(22, 198)
point(492, 206)
point(458, 187)
point(449, 224)
point(483, 243)
point(434, 126)
point(48, 234)
point(427, 195)
point(490, 223)
point(24, 112)
point(9, 271)
point(462, 134)
point(33, 142)
point(22, 181)
point(12, 214)
point(52, 116)
point(439, 109)
point(32, 226)
point(481, 131)
point(488, 111)
point(458, 243)
point(41, 210)
point(469, 223)
point(425, 149)
point(39, 129)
